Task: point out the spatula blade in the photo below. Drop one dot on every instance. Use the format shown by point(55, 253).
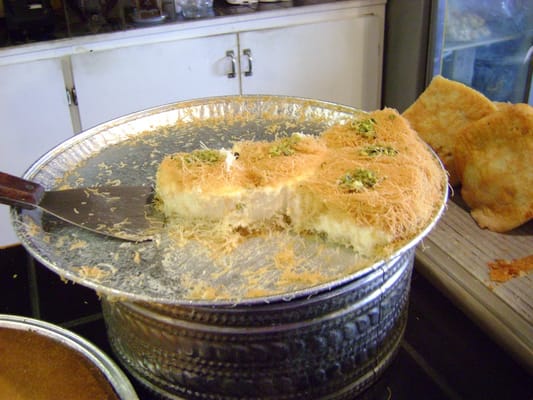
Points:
point(124, 212)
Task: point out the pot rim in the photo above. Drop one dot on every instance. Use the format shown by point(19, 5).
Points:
point(114, 375)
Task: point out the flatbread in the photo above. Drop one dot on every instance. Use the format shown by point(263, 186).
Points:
point(494, 161)
point(442, 110)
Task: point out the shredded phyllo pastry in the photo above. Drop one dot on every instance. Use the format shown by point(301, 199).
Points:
point(369, 184)
point(92, 272)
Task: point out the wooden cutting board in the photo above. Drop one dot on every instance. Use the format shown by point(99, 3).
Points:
point(455, 257)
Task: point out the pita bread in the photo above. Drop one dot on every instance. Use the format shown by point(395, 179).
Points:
point(494, 161)
point(442, 110)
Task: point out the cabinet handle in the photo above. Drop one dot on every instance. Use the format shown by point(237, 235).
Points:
point(72, 98)
point(248, 54)
point(231, 55)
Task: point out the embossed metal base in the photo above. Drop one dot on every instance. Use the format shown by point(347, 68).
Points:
point(330, 346)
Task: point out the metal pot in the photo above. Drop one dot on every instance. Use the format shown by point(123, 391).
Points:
point(329, 346)
point(77, 345)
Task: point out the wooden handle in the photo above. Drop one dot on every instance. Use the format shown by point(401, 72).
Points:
point(15, 191)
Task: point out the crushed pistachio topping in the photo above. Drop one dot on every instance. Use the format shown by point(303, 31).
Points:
point(358, 180)
point(365, 127)
point(376, 150)
point(207, 156)
point(285, 146)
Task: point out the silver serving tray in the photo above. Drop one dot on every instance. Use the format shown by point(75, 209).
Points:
point(127, 151)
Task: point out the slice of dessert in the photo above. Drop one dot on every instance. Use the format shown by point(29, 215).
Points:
point(244, 187)
point(378, 185)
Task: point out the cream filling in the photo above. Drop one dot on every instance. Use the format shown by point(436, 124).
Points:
point(363, 239)
point(238, 208)
point(249, 208)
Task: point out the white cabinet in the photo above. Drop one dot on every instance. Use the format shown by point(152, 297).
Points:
point(117, 82)
point(34, 117)
point(338, 61)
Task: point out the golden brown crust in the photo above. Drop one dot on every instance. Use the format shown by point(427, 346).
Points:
point(441, 111)
point(306, 186)
point(493, 159)
point(254, 168)
point(409, 182)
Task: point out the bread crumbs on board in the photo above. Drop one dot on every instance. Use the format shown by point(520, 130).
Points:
point(503, 270)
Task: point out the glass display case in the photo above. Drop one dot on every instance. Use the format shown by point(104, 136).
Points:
point(488, 45)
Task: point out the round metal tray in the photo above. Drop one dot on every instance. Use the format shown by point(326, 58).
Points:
point(128, 150)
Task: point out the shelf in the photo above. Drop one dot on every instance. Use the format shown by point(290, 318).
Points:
point(451, 46)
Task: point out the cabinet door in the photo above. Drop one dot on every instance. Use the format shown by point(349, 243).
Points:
point(339, 61)
point(117, 82)
point(34, 117)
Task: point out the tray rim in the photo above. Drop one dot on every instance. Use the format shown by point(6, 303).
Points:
point(302, 293)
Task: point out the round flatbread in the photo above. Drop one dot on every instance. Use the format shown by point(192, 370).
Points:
point(441, 111)
point(493, 159)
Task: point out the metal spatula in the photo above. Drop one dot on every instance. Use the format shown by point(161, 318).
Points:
point(124, 212)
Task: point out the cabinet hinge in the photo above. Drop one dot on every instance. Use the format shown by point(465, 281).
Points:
point(72, 98)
